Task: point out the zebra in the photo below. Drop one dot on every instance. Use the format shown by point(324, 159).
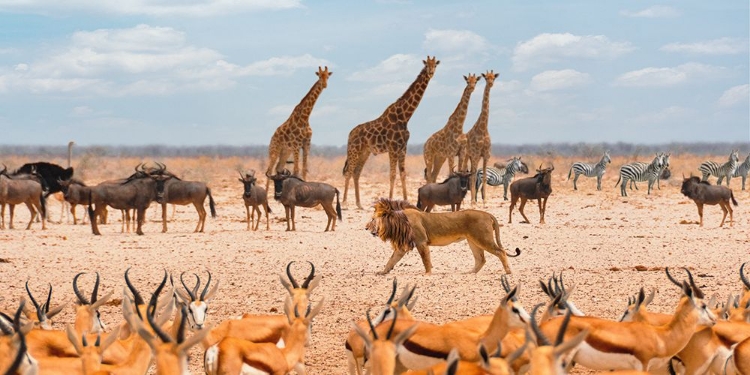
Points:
point(590, 170)
point(664, 174)
point(741, 171)
point(639, 171)
point(497, 176)
point(724, 170)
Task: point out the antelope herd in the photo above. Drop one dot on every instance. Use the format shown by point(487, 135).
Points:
point(700, 337)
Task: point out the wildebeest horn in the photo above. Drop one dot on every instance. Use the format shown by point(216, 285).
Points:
point(5, 168)
point(309, 278)
point(268, 175)
point(81, 298)
point(743, 277)
point(190, 292)
point(205, 290)
point(289, 275)
point(252, 172)
point(242, 176)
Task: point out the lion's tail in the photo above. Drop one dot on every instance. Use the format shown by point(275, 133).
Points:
point(496, 226)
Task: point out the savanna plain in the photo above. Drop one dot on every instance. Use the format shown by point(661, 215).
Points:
point(607, 245)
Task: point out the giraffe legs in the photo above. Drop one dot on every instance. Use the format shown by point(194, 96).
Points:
point(393, 163)
point(353, 168)
point(473, 180)
point(305, 153)
point(402, 171)
point(484, 176)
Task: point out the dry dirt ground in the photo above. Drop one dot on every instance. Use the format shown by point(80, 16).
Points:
point(609, 246)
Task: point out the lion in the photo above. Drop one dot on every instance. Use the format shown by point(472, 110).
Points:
point(407, 227)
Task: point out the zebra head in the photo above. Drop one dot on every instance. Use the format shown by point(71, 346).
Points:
point(665, 160)
point(658, 161)
point(515, 164)
point(735, 156)
point(605, 158)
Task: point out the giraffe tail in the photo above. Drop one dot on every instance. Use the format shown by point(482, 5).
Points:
point(346, 166)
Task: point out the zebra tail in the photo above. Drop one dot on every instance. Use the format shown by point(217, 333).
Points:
point(618, 180)
point(734, 201)
point(569, 172)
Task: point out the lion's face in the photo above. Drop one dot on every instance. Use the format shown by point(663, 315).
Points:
point(373, 226)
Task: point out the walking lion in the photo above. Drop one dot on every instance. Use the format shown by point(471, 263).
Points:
point(407, 227)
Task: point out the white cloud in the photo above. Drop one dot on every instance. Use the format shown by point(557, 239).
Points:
point(735, 95)
point(194, 8)
point(558, 80)
point(721, 46)
point(661, 77)
point(549, 48)
point(454, 41)
point(656, 11)
point(397, 67)
point(143, 60)
point(663, 116)
point(81, 111)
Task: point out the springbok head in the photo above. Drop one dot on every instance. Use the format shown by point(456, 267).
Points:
point(42, 314)
point(87, 311)
point(695, 297)
point(197, 304)
point(300, 293)
point(382, 351)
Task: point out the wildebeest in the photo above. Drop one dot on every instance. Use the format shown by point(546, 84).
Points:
point(292, 191)
point(50, 173)
point(134, 193)
point(21, 189)
point(75, 192)
point(537, 187)
point(702, 192)
point(449, 192)
point(255, 196)
point(171, 189)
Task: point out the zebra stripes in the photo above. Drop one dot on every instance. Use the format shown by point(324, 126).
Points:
point(497, 176)
point(590, 170)
point(639, 171)
point(727, 169)
point(741, 171)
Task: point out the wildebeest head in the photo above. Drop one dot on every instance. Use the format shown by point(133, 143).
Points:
point(161, 181)
point(545, 175)
point(278, 182)
point(463, 179)
point(248, 181)
point(689, 184)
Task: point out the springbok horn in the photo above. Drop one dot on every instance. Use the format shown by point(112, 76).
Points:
point(190, 293)
point(289, 275)
point(393, 293)
point(197, 284)
point(205, 290)
point(541, 339)
point(95, 292)
point(81, 298)
point(310, 276)
point(672, 279)
point(33, 301)
point(393, 324)
point(181, 328)
point(372, 327)
point(698, 292)
point(743, 277)
point(151, 311)
point(563, 328)
point(49, 298)
point(136, 296)
point(6, 328)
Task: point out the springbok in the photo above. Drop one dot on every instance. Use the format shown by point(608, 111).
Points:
point(382, 350)
point(637, 345)
point(14, 356)
point(548, 358)
point(197, 304)
point(88, 318)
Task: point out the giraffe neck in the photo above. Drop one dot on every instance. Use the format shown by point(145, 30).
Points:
point(456, 121)
point(485, 114)
point(402, 109)
point(304, 108)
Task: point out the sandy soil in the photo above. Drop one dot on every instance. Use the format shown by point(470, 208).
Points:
point(598, 236)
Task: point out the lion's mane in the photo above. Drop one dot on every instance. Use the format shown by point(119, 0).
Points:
point(391, 224)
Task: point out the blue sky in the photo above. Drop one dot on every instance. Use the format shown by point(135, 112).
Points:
point(204, 72)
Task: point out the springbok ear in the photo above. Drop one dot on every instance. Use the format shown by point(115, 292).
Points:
point(73, 338)
point(113, 336)
point(101, 301)
point(571, 344)
point(285, 283)
point(56, 310)
point(212, 292)
point(364, 335)
point(404, 335)
point(314, 283)
point(315, 310)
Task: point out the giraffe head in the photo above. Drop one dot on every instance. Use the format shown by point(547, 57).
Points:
point(471, 81)
point(323, 75)
point(430, 64)
point(489, 77)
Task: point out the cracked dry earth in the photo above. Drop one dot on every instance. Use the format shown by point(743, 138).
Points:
point(609, 246)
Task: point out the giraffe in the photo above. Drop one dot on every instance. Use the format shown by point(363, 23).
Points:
point(295, 132)
point(478, 136)
point(387, 133)
point(449, 141)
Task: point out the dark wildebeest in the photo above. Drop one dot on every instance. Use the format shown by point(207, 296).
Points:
point(171, 189)
point(50, 173)
point(702, 192)
point(134, 193)
point(449, 192)
point(292, 191)
point(75, 192)
point(255, 196)
point(21, 188)
point(537, 187)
